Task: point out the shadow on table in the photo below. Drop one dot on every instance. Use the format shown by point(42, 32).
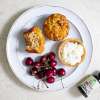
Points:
point(74, 92)
point(3, 58)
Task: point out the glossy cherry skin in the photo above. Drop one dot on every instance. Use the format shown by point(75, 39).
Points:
point(51, 56)
point(43, 59)
point(49, 73)
point(54, 70)
point(53, 63)
point(61, 72)
point(37, 64)
point(34, 71)
point(50, 80)
point(28, 61)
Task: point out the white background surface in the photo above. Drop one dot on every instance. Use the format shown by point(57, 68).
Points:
point(10, 87)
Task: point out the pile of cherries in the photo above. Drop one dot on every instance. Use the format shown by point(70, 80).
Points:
point(45, 68)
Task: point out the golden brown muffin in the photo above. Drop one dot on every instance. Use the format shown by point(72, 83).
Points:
point(73, 54)
point(34, 40)
point(56, 27)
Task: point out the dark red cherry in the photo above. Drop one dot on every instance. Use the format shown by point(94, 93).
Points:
point(53, 63)
point(34, 71)
point(37, 64)
point(51, 56)
point(40, 75)
point(49, 73)
point(61, 72)
point(54, 70)
point(43, 59)
point(28, 61)
point(50, 80)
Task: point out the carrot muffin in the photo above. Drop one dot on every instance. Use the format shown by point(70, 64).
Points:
point(34, 40)
point(71, 52)
point(56, 27)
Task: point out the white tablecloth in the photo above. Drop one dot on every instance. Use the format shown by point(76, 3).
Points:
point(10, 87)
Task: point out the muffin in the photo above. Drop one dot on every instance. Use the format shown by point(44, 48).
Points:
point(71, 52)
point(56, 27)
point(34, 40)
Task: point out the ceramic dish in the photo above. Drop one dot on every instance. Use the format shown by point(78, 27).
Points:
point(16, 53)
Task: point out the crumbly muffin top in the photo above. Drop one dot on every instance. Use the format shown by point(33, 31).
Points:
point(56, 27)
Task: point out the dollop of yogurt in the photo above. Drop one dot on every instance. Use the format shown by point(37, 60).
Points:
point(72, 53)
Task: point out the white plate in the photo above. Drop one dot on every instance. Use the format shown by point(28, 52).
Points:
point(16, 53)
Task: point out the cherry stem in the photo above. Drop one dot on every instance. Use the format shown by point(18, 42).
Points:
point(62, 83)
point(45, 83)
point(47, 63)
point(38, 85)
